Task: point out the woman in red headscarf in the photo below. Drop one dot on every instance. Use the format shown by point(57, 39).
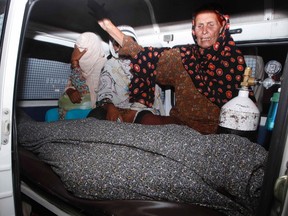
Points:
point(205, 75)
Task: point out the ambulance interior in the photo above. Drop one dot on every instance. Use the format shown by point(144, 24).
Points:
point(51, 28)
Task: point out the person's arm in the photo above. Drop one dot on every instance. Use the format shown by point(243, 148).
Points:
point(112, 30)
point(128, 46)
point(74, 95)
point(70, 90)
point(113, 113)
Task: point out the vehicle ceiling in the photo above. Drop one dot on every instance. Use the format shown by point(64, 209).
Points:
point(74, 14)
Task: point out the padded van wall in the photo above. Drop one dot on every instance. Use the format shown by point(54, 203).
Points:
point(42, 79)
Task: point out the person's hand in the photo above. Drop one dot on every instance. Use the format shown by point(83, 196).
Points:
point(105, 24)
point(112, 113)
point(77, 54)
point(74, 95)
point(112, 30)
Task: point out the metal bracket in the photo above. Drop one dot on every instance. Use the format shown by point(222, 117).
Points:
point(281, 191)
point(6, 127)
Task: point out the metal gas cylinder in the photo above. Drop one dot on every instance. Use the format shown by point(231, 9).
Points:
point(240, 115)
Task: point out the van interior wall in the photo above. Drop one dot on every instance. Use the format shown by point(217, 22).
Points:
point(39, 92)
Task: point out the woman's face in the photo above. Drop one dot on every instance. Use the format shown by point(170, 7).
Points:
point(207, 29)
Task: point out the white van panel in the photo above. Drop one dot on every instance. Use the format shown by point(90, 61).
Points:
point(275, 29)
point(7, 79)
point(180, 33)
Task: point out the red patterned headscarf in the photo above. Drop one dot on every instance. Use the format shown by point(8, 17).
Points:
point(217, 73)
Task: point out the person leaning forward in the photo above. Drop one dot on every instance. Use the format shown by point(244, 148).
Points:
point(205, 75)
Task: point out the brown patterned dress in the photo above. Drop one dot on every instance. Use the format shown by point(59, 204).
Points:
point(191, 107)
point(203, 80)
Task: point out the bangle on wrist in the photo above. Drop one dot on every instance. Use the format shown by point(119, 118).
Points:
point(74, 63)
point(103, 102)
point(74, 66)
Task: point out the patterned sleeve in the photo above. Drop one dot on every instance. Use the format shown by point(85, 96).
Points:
point(130, 47)
point(78, 81)
point(144, 62)
point(142, 86)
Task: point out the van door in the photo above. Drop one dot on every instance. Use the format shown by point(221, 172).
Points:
point(11, 19)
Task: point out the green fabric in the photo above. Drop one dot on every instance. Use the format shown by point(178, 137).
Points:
point(66, 104)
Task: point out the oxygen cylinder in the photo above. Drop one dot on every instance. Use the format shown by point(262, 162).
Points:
point(240, 116)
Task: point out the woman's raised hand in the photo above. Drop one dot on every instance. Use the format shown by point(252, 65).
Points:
point(112, 30)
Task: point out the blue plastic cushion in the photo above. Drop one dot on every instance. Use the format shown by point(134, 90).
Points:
point(52, 115)
point(77, 114)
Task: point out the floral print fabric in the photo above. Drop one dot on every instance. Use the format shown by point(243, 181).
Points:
point(78, 81)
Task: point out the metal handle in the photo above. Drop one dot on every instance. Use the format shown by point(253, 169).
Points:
point(280, 188)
